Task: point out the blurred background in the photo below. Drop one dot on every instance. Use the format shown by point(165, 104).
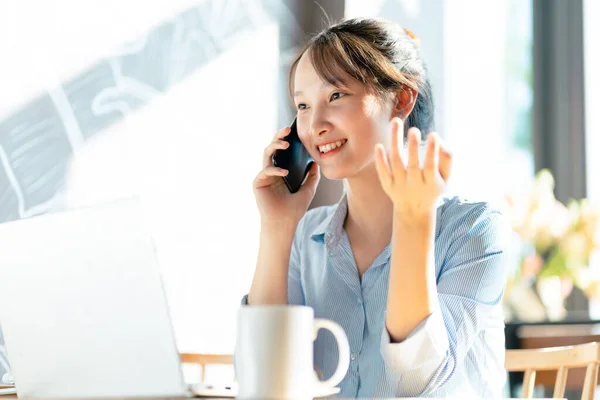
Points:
point(174, 102)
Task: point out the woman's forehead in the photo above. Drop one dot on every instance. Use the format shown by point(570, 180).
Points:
point(305, 71)
point(306, 77)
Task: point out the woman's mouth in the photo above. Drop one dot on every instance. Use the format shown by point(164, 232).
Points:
point(330, 148)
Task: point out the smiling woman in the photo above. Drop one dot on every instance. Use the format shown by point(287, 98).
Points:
point(394, 63)
point(415, 279)
point(333, 63)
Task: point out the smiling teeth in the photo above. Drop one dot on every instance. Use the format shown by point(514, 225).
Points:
point(328, 147)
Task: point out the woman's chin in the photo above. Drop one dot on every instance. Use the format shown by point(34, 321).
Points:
point(334, 174)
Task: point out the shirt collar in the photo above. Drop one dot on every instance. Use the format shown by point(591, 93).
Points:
point(332, 226)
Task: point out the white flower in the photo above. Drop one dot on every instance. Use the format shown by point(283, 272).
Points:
point(560, 221)
point(574, 246)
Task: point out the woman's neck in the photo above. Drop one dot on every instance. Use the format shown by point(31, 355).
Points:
point(370, 210)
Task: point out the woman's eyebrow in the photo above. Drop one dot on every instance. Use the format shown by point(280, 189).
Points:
point(338, 84)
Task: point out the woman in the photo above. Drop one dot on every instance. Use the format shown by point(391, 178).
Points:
point(415, 280)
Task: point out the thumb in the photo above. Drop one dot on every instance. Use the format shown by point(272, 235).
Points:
point(445, 164)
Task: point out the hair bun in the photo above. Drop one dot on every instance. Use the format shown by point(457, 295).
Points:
point(413, 37)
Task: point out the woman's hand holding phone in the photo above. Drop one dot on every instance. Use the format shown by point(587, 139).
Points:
point(275, 202)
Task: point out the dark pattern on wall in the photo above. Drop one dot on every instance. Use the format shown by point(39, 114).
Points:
point(37, 141)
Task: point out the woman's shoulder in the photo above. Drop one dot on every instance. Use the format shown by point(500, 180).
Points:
point(456, 204)
point(458, 214)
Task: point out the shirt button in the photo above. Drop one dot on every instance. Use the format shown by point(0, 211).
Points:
point(353, 356)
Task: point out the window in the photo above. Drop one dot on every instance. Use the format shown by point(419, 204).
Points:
point(488, 96)
point(153, 106)
point(480, 66)
point(591, 38)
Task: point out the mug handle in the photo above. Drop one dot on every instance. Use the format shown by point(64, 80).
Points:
point(343, 351)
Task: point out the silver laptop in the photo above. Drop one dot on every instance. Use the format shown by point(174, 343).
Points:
point(83, 309)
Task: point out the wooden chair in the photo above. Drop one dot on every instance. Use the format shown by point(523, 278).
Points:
point(206, 359)
point(559, 359)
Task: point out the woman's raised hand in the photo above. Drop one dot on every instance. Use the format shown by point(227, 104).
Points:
point(413, 190)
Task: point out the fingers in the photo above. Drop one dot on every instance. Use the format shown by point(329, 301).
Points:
point(396, 163)
point(383, 167)
point(431, 162)
point(445, 163)
point(264, 176)
point(417, 181)
point(414, 139)
point(282, 133)
point(277, 144)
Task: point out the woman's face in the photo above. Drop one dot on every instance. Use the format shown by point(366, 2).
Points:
point(339, 126)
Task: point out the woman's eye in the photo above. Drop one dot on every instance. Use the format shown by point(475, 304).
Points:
point(302, 106)
point(336, 96)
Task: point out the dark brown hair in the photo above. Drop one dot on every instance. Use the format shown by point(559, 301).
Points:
point(379, 54)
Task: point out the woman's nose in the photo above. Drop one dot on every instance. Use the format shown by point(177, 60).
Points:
point(319, 126)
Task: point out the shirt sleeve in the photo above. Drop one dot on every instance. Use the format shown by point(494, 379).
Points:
point(470, 289)
point(295, 292)
point(420, 354)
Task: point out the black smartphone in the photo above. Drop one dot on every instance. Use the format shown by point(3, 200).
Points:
point(295, 159)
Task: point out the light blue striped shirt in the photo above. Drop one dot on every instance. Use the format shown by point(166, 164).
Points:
point(456, 351)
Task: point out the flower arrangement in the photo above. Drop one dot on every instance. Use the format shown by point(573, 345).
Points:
point(562, 238)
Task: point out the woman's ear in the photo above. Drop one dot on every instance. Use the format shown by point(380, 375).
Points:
point(405, 102)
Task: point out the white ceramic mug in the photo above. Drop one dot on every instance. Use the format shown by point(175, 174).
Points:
point(274, 353)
